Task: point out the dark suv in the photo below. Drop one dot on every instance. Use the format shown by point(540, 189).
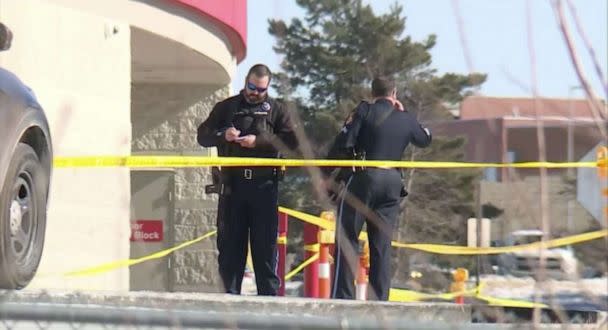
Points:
point(25, 170)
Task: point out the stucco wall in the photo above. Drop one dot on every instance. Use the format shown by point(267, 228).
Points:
point(589, 188)
point(520, 201)
point(171, 21)
point(165, 120)
point(79, 66)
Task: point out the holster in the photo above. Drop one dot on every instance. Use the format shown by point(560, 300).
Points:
point(358, 155)
point(281, 173)
point(218, 182)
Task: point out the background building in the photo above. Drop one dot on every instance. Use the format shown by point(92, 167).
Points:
point(119, 77)
point(504, 130)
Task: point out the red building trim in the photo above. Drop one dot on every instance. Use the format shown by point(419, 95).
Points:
point(229, 15)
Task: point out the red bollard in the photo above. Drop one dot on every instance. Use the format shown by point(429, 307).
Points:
point(282, 251)
point(326, 238)
point(311, 272)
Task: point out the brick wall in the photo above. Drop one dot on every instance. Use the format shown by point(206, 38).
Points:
point(165, 119)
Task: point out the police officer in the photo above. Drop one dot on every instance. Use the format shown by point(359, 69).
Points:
point(375, 131)
point(250, 124)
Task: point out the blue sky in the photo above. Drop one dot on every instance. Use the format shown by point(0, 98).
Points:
point(496, 34)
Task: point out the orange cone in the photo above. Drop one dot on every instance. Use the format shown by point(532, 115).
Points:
point(361, 293)
point(361, 282)
point(458, 287)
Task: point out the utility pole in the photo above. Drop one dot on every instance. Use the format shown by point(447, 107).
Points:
point(570, 154)
point(478, 229)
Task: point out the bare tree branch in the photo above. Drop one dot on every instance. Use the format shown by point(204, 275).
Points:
point(462, 34)
point(592, 99)
point(590, 49)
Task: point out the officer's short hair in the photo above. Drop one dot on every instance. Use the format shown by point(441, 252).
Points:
point(260, 70)
point(382, 86)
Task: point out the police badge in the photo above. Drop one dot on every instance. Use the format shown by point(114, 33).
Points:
point(264, 109)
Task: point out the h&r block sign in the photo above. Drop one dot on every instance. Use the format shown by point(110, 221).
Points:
point(147, 231)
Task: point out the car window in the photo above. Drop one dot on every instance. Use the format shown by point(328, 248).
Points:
point(520, 240)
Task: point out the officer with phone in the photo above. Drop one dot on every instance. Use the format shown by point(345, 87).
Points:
point(250, 124)
point(380, 130)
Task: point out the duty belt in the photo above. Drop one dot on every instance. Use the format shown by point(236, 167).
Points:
point(363, 169)
point(253, 173)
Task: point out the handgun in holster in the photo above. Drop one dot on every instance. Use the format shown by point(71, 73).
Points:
point(341, 176)
point(358, 155)
point(281, 172)
point(217, 184)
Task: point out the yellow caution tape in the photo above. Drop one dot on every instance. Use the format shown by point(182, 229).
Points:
point(301, 266)
point(433, 248)
point(129, 262)
point(312, 247)
point(465, 250)
point(317, 221)
point(401, 295)
point(602, 161)
point(395, 294)
point(510, 302)
point(454, 249)
point(326, 236)
point(198, 161)
point(106, 267)
point(313, 220)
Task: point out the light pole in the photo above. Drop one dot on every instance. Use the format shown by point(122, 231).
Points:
point(570, 153)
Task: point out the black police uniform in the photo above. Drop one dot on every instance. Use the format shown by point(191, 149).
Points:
point(379, 132)
point(247, 205)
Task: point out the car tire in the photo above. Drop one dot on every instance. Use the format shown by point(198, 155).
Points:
point(22, 218)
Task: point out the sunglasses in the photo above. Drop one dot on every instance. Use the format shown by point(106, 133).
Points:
point(252, 87)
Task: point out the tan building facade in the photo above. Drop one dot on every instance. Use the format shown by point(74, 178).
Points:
point(123, 78)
